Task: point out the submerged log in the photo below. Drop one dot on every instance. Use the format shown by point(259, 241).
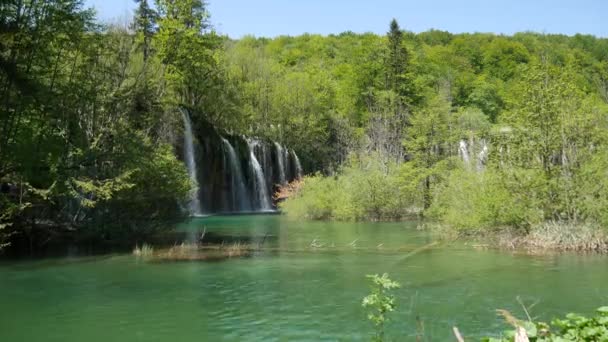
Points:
point(521, 335)
point(457, 334)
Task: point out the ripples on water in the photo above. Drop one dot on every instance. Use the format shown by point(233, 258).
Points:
point(294, 293)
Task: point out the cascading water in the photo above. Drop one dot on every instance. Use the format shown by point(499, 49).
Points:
point(239, 190)
point(464, 152)
point(482, 157)
point(261, 188)
point(298, 165)
point(238, 173)
point(189, 155)
point(280, 161)
point(287, 164)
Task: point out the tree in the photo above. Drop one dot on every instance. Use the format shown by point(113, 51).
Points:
point(73, 134)
point(144, 24)
point(187, 51)
point(397, 58)
point(428, 142)
point(554, 129)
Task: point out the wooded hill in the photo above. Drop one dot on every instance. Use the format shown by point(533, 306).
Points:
point(89, 117)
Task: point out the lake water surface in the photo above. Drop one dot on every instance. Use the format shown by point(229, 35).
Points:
point(290, 290)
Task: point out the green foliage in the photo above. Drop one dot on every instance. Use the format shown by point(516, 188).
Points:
point(503, 56)
point(591, 187)
point(144, 23)
point(85, 125)
point(365, 189)
point(573, 327)
point(471, 201)
point(380, 302)
point(428, 140)
point(89, 113)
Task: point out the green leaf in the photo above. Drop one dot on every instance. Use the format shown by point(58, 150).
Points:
point(530, 329)
point(603, 310)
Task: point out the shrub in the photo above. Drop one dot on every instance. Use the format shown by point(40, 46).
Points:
point(591, 186)
point(380, 302)
point(365, 189)
point(573, 327)
point(471, 201)
point(315, 199)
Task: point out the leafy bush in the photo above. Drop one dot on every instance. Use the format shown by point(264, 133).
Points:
point(380, 302)
point(315, 199)
point(365, 189)
point(573, 328)
point(591, 187)
point(482, 200)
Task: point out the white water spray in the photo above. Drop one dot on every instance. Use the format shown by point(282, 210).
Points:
point(189, 154)
point(239, 190)
point(260, 180)
point(280, 156)
point(298, 165)
point(482, 157)
point(464, 152)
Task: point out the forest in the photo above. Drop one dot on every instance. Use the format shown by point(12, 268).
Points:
point(477, 131)
point(162, 181)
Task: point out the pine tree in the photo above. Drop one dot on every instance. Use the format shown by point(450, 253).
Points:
point(397, 56)
point(398, 67)
point(144, 24)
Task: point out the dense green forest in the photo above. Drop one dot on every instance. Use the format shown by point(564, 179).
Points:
point(89, 120)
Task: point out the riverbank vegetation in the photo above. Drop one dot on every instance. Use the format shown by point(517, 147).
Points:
point(509, 133)
point(477, 131)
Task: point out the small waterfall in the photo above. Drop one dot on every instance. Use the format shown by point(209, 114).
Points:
point(260, 181)
point(266, 162)
point(287, 164)
point(189, 154)
point(239, 190)
point(280, 161)
point(482, 157)
point(464, 152)
point(298, 165)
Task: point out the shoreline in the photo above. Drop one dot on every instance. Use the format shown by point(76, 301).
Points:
point(543, 238)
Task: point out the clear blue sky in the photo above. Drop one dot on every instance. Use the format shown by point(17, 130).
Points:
point(275, 17)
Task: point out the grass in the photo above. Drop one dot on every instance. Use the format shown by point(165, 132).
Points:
point(559, 236)
point(196, 252)
point(543, 237)
point(144, 251)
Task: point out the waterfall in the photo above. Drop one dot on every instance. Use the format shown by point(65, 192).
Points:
point(267, 165)
point(260, 181)
point(298, 165)
point(239, 190)
point(189, 155)
point(287, 164)
point(464, 152)
point(280, 161)
point(482, 157)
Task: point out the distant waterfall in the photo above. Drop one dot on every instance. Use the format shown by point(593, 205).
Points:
point(261, 188)
point(463, 151)
point(482, 157)
point(287, 164)
point(239, 190)
point(298, 165)
point(281, 162)
point(474, 154)
point(189, 155)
